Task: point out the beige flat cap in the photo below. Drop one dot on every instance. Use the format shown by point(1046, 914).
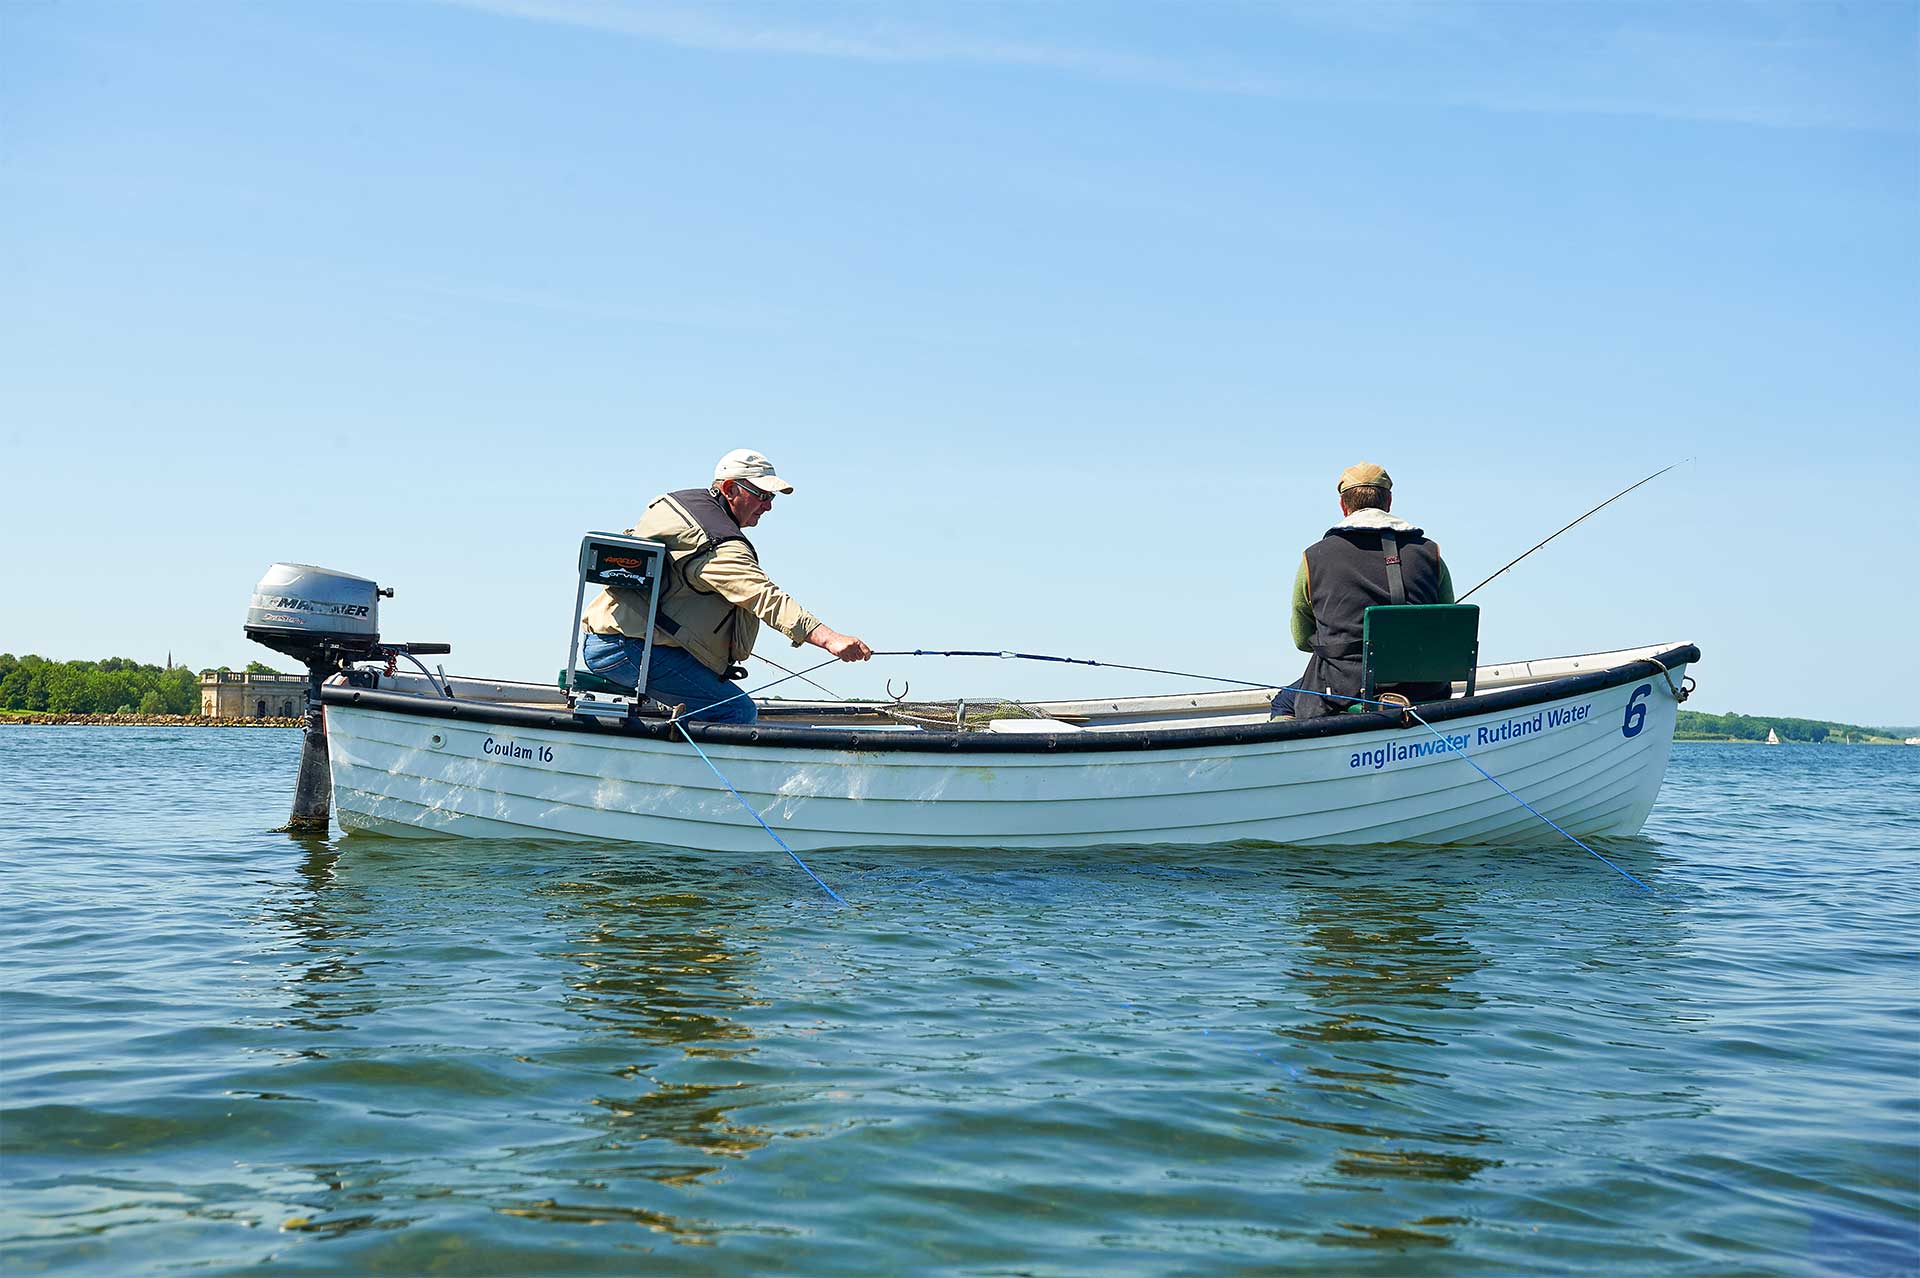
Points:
point(1364, 475)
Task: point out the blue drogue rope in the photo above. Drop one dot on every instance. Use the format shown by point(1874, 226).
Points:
point(1445, 741)
point(755, 815)
point(679, 722)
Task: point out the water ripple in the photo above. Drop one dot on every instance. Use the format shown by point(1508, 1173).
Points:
point(227, 1050)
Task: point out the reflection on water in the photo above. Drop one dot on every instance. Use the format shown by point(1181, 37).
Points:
point(1395, 966)
point(662, 969)
point(1385, 966)
point(637, 985)
point(1373, 951)
point(329, 989)
point(656, 966)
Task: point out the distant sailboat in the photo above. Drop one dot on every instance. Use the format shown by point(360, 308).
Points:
point(1773, 738)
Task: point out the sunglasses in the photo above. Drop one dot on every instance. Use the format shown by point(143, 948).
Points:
point(753, 492)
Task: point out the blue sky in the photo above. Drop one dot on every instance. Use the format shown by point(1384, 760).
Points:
point(1062, 318)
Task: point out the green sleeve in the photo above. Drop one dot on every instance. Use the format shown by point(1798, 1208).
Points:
point(1302, 609)
point(1446, 584)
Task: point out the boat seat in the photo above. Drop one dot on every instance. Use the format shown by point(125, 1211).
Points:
point(1412, 644)
point(587, 681)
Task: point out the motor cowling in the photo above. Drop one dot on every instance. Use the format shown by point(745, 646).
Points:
point(315, 615)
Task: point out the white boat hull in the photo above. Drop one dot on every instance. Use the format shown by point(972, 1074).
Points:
point(1592, 762)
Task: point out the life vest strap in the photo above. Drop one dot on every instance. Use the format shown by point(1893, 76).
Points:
point(1396, 588)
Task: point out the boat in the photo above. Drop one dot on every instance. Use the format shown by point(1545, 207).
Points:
point(1580, 740)
point(1583, 739)
point(1773, 738)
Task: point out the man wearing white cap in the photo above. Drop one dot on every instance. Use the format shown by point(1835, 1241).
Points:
point(713, 600)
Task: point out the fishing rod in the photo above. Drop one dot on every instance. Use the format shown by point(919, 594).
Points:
point(1596, 510)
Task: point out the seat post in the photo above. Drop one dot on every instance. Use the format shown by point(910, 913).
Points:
point(617, 562)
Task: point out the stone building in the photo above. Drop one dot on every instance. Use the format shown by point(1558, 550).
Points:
point(235, 694)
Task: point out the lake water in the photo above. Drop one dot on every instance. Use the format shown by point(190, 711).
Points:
point(224, 1050)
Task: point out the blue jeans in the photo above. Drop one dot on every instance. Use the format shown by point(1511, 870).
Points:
point(1283, 702)
point(674, 677)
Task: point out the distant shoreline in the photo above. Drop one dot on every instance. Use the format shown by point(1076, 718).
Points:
point(1696, 740)
point(38, 719)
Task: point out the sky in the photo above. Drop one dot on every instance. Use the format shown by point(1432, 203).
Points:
point(1062, 319)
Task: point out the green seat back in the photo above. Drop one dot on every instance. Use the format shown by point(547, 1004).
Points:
point(587, 681)
point(1419, 643)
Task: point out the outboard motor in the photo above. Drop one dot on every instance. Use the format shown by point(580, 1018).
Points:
point(325, 620)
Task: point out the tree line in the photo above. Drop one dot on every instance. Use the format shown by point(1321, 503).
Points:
point(1746, 727)
point(118, 685)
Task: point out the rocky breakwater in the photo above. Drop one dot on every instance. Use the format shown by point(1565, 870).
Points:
point(150, 720)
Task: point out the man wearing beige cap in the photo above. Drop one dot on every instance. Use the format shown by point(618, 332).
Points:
point(1370, 557)
point(713, 599)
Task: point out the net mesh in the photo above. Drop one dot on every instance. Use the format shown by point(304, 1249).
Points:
point(966, 714)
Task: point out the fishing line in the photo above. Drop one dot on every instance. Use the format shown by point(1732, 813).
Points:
point(797, 674)
point(893, 711)
point(1112, 665)
point(748, 692)
point(1071, 661)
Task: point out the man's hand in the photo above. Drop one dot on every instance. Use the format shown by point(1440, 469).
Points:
point(845, 647)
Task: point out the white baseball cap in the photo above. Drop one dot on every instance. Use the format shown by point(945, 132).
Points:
point(744, 463)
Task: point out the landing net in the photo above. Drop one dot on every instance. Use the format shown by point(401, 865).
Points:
point(965, 714)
